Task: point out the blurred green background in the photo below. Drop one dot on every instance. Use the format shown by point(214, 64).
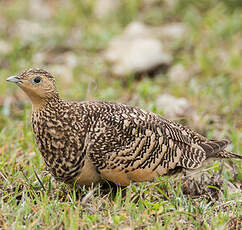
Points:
point(202, 80)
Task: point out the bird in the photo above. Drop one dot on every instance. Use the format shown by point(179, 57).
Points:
point(89, 142)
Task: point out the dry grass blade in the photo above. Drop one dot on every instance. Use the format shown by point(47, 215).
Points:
point(88, 196)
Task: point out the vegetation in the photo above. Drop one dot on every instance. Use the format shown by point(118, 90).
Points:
point(69, 39)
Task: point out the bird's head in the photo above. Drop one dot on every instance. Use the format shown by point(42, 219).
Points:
point(38, 84)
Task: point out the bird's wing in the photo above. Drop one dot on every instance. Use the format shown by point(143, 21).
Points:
point(128, 144)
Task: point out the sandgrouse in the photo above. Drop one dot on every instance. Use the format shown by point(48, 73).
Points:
point(92, 141)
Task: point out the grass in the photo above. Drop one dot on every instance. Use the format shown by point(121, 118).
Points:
point(32, 199)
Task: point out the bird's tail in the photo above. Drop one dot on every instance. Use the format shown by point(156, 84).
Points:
point(226, 154)
point(215, 148)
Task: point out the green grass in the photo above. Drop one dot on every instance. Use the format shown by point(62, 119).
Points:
point(30, 199)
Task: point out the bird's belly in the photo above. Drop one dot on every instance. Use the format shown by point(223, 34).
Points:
point(88, 174)
point(123, 178)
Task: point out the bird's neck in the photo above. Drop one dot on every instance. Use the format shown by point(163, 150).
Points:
point(41, 103)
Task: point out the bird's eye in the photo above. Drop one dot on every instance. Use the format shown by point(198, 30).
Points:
point(37, 80)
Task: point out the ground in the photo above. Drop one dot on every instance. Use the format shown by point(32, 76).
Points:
point(69, 38)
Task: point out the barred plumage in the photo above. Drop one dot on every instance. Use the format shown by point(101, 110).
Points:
point(91, 141)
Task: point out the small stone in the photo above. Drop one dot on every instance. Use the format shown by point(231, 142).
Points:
point(173, 31)
point(136, 51)
point(65, 72)
point(33, 30)
point(174, 108)
point(39, 58)
point(178, 74)
point(5, 47)
point(39, 9)
point(104, 7)
point(28, 29)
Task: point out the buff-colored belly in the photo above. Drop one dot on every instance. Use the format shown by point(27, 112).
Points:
point(89, 174)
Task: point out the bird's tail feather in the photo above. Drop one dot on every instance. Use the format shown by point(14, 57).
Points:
point(212, 147)
point(215, 148)
point(226, 154)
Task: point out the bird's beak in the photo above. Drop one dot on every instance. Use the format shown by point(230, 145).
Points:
point(14, 79)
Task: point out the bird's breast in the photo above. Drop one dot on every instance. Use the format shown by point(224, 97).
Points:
point(62, 148)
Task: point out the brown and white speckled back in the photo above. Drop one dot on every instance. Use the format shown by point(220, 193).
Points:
point(122, 143)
